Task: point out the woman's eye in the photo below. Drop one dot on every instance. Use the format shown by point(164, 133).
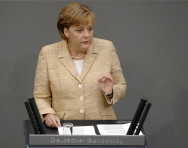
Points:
point(79, 30)
point(90, 29)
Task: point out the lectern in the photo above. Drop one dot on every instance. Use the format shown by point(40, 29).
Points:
point(53, 140)
point(37, 135)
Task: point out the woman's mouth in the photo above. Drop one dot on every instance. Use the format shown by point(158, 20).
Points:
point(86, 42)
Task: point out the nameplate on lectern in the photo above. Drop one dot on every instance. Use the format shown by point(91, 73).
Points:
point(38, 139)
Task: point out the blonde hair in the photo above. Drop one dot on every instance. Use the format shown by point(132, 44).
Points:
point(74, 14)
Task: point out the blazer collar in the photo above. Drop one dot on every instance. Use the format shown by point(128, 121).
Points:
point(66, 59)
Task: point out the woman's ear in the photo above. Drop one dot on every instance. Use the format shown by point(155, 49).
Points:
point(66, 32)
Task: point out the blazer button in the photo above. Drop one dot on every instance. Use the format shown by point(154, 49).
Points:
point(80, 85)
point(81, 111)
point(81, 98)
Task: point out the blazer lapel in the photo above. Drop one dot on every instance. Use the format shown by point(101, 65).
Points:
point(88, 61)
point(66, 59)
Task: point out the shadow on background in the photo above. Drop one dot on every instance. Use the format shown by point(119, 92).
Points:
point(181, 114)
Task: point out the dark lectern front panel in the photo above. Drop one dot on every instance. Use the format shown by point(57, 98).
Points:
point(47, 141)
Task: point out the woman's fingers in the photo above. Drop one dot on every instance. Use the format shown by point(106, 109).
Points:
point(106, 77)
point(106, 83)
point(52, 120)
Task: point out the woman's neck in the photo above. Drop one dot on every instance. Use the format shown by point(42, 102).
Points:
point(76, 54)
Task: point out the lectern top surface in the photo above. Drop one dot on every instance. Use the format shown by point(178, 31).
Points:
point(76, 123)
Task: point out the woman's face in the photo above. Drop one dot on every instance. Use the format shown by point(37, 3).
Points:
point(79, 37)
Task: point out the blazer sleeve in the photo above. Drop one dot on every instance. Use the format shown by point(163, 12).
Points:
point(120, 86)
point(42, 92)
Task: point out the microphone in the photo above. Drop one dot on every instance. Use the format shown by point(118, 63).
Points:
point(139, 117)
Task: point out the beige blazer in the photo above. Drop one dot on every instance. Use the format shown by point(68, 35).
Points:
point(60, 90)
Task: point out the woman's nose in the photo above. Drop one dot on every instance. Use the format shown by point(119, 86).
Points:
point(86, 33)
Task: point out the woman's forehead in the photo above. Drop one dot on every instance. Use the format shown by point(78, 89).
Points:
point(84, 24)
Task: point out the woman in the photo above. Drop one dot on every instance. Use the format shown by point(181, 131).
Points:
point(79, 78)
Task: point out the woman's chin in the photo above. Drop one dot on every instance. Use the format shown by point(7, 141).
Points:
point(85, 47)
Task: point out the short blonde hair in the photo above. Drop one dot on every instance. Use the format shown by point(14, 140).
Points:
point(74, 14)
